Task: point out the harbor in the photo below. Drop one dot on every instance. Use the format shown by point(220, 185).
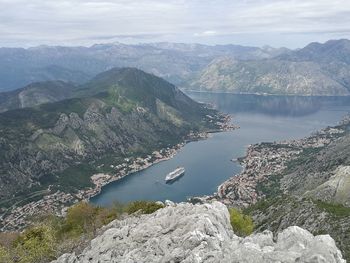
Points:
point(209, 160)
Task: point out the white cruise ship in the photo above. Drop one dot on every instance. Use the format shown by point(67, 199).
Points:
point(175, 174)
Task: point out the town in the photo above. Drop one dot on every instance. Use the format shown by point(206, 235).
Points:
point(57, 203)
point(265, 159)
point(18, 217)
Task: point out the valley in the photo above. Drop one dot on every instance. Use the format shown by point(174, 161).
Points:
point(277, 175)
point(81, 157)
point(111, 125)
point(175, 131)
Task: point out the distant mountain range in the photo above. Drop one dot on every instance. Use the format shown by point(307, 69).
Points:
point(35, 94)
point(174, 62)
point(317, 69)
point(119, 113)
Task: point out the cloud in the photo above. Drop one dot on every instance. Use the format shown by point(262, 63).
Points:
point(72, 22)
point(206, 33)
point(129, 37)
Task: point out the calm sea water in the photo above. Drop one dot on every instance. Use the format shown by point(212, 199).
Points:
point(207, 163)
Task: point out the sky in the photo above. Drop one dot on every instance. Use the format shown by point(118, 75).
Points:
point(288, 23)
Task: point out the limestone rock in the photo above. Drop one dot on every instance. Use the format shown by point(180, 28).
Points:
point(200, 233)
point(336, 189)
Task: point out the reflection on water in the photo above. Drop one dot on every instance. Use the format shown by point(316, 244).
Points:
point(207, 163)
point(271, 105)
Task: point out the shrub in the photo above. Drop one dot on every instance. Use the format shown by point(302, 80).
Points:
point(145, 207)
point(86, 218)
point(241, 224)
point(5, 256)
point(7, 239)
point(52, 235)
point(80, 218)
point(36, 244)
point(337, 210)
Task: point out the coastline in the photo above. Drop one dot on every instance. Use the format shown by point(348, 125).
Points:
point(161, 155)
point(263, 161)
point(263, 94)
point(16, 218)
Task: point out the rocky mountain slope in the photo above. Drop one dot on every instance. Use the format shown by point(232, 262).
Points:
point(317, 69)
point(321, 171)
point(36, 94)
point(315, 192)
point(300, 182)
point(327, 52)
point(279, 213)
point(172, 61)
point(200, 233)
point(120, 113)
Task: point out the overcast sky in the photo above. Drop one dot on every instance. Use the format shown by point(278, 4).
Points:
point(290, 23)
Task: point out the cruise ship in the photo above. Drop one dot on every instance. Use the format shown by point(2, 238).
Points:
point(172, 176)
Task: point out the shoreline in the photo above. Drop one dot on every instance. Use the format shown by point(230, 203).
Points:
point(168, 153)
point(263, 160)
point(15, 218)
point(263, 94)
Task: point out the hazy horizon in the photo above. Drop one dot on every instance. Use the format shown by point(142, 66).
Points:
point(152, 43)
point(276, 23)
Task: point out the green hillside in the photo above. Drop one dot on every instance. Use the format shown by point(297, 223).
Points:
point(120, 113)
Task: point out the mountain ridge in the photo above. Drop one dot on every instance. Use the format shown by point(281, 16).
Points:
point(35, 94)
point(38, 144)
point(317, 69)
point(173, 61)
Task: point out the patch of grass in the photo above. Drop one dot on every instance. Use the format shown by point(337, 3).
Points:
point(50, 236)
point(336, 210)
point(261, 205)
point(241, 224)
point(36, 244)
point(86, 218)
point(145, 207)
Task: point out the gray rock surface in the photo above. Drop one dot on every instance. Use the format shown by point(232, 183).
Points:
point(336, 189)
point(200, 233)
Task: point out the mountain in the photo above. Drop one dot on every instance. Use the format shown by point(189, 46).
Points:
point(317, 69)
point(18, 69)
point(36, 94)
point(331, 50)
point(173, 61)
point(200, 233)
point(119, 114)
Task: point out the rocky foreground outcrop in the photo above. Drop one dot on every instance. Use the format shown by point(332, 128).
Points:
point(200, 233)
